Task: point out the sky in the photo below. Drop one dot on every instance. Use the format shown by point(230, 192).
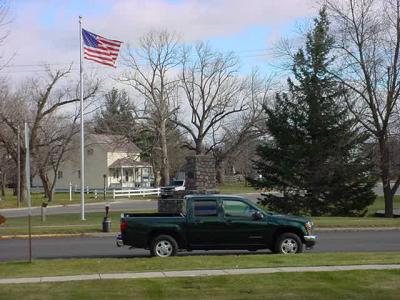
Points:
point(45, 31)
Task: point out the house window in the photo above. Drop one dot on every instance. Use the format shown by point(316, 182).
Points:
point(79, 173)
point(90, 151)
point(59, 174)
point(115, 173)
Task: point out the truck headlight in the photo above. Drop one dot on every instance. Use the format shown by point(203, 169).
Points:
point(309, 227)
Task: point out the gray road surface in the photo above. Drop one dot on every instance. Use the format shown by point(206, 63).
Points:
point(17, 249)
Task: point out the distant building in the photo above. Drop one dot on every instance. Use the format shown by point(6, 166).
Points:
point(106, 156)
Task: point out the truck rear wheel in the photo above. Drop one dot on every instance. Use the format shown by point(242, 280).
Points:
point(163, 246)
point(288, 243)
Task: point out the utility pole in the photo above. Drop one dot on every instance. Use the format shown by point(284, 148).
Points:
point(18, 168)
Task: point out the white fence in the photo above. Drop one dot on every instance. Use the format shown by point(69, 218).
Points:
point(140, 192)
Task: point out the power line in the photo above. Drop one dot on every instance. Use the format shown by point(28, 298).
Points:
point(5, 69)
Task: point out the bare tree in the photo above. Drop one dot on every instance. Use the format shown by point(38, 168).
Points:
point(151, 75)
point(36, 102)
point(56, 140)
point(367, 34)
point(6, 170)
point(5, 20)
point(13, 111)
point(244, 127)
point(212, 91)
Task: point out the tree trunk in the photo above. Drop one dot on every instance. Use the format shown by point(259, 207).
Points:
point(164, 155)
point(3, 184)
point(24, 194)
point(384, 165)
point(199, 146)
point(47, 187)
point(219, 169)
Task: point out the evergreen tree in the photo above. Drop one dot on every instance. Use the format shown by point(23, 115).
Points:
point(316, 157)
point(116, 117)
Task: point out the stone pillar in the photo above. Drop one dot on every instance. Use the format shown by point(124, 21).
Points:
point(199, 179)
point(200, 174)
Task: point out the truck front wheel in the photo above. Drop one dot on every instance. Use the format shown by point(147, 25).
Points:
point(288, 243)
point(163, 246)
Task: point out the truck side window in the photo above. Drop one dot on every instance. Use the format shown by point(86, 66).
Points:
point(233, 208)
point(205, 208)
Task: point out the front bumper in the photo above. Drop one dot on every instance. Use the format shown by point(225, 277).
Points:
point(119, 241)
point(310, 240)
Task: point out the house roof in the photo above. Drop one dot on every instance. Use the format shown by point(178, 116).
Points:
point(114, 143)
point(128, 162)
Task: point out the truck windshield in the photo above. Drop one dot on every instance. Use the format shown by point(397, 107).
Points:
point(177, 182)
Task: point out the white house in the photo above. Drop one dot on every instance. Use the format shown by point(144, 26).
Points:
point(109, 158)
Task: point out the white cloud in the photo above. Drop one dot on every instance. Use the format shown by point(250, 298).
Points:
point(34, 41)
point(197, 19)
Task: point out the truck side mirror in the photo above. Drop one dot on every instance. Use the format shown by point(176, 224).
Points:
point(257, 215)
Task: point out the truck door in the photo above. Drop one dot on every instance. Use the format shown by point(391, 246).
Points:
point(241, 230)
point(206, 224)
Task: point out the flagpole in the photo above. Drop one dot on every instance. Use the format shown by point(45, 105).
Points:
point(82, 127)
point(28, 187)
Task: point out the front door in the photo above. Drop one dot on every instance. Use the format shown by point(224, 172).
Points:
point(240, 228)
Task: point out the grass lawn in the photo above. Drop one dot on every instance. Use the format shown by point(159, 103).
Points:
point(54, 267)
point(318, 285)
point(380, 204)
point(343, 222)
point(237, 188)
point(368, 221)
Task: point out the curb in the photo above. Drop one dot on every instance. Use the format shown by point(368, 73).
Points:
point(353, 229)
point(195, 273)
point(58, 235)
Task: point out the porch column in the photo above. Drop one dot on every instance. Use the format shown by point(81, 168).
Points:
point(122, 176)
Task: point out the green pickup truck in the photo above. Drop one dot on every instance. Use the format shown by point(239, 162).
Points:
point(210, 222)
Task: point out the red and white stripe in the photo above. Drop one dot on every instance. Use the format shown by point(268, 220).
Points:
point(106, 52)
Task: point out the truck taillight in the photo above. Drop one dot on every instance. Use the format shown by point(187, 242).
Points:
point(124, 225)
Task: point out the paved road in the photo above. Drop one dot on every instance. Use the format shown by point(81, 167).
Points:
point(17, 249)
point(120, 205)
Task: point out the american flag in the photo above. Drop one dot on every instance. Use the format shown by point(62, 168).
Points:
point(99, 49)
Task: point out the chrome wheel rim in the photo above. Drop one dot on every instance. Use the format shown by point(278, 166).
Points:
point(164, 248)
point(289, 245)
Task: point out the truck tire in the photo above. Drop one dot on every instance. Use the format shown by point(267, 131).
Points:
point(163, 246)
point(288, 243)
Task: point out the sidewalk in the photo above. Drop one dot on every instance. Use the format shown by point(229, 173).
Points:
point(195, 273)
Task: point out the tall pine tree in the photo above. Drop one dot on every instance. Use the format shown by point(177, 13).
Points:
point(116, 117)
point(316, 157)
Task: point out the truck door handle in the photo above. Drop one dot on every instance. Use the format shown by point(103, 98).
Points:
point(198, 222)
